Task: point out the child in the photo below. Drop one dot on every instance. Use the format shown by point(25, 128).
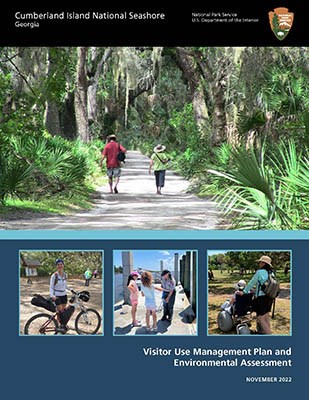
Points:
point(148, 290)
point(133, 288)
point(240, 285)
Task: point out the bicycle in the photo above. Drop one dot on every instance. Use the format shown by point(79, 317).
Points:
point(87, 321)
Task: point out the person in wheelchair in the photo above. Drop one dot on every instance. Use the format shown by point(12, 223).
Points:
point(227, 305)
point(237, 310)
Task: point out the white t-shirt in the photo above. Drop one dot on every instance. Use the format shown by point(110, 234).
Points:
point(60, 289)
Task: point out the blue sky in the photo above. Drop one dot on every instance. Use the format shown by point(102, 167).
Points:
point(212, 252)
point(150, 259)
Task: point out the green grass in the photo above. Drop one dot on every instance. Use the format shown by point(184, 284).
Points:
point(63, 203)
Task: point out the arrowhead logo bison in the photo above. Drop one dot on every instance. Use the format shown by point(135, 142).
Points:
point(281, 21)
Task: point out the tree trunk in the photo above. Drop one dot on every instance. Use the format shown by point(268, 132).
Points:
point(51, 114)
point(80, 98)
point(219, 115)
point(187, 65)
point(93, 87)
point(51, 118)
point(67, 117)
point(215, 74)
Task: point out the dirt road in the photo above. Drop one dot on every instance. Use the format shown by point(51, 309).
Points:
point(136, 206)
point(41, 286)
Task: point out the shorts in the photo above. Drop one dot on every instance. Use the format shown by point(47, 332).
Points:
point(116, 172)
point(133, 300)
point(262, 305)
point(160, 178)
point(150, 307)
point(61, 300)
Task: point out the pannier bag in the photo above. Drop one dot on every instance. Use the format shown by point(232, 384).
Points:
point(66, 314)
point(41, 301)
point(84, 295)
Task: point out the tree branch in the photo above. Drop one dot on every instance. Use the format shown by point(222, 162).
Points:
point(20, 74)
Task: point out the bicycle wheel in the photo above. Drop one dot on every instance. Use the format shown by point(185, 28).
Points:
point(88, 322)
point(41, 324)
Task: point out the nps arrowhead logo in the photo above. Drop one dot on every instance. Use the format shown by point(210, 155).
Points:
point(281, 21)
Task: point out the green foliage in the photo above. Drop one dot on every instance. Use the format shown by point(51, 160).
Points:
point(46, 164)
point(265, 97)
point(266, 192)
point(190, 149)
point(223, 155)
point(246, 260)
point(13, 175)
point(75, 262)
point(253, 120)
point(56, 166)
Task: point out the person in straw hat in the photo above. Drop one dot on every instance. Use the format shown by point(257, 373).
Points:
point(159, 161)
point(263, 303)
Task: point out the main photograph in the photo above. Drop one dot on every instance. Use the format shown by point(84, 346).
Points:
point(154, 138)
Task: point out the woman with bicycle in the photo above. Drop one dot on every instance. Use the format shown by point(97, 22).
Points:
point(58, 286)
point(87, 322)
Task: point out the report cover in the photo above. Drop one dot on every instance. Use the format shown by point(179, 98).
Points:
point(154, 199)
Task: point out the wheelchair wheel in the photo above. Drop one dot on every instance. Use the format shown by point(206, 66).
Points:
point(243, 329)
point(225, 322)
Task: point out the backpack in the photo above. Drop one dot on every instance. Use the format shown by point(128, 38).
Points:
point(41, 301)
point(271, 287)
point(121, 156)
point(57, 278)
point(88, 274)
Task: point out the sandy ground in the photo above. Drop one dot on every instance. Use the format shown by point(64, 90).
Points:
point(136, 206)
point(41, 286)
point(280, 324)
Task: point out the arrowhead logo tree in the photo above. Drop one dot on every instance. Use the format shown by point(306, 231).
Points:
point(281, 21)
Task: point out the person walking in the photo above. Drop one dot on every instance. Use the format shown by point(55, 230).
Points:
point(110, 153)
point(88, 276)
point(263, 303)
point(159, 161)
point(168, 285)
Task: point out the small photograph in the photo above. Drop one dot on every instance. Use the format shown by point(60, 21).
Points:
point(60, 292)
point(249, 292)
point(155, 292)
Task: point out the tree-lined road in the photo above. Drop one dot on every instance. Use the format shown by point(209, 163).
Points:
point(136, 206)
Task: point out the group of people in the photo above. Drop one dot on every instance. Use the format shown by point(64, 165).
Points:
point(262, 303)
point(158, 162)
point(168, 289)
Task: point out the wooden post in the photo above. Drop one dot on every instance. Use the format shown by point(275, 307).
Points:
point(127, 267)
point(176, 262)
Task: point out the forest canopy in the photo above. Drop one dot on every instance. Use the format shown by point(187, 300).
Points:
point(234, 120)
